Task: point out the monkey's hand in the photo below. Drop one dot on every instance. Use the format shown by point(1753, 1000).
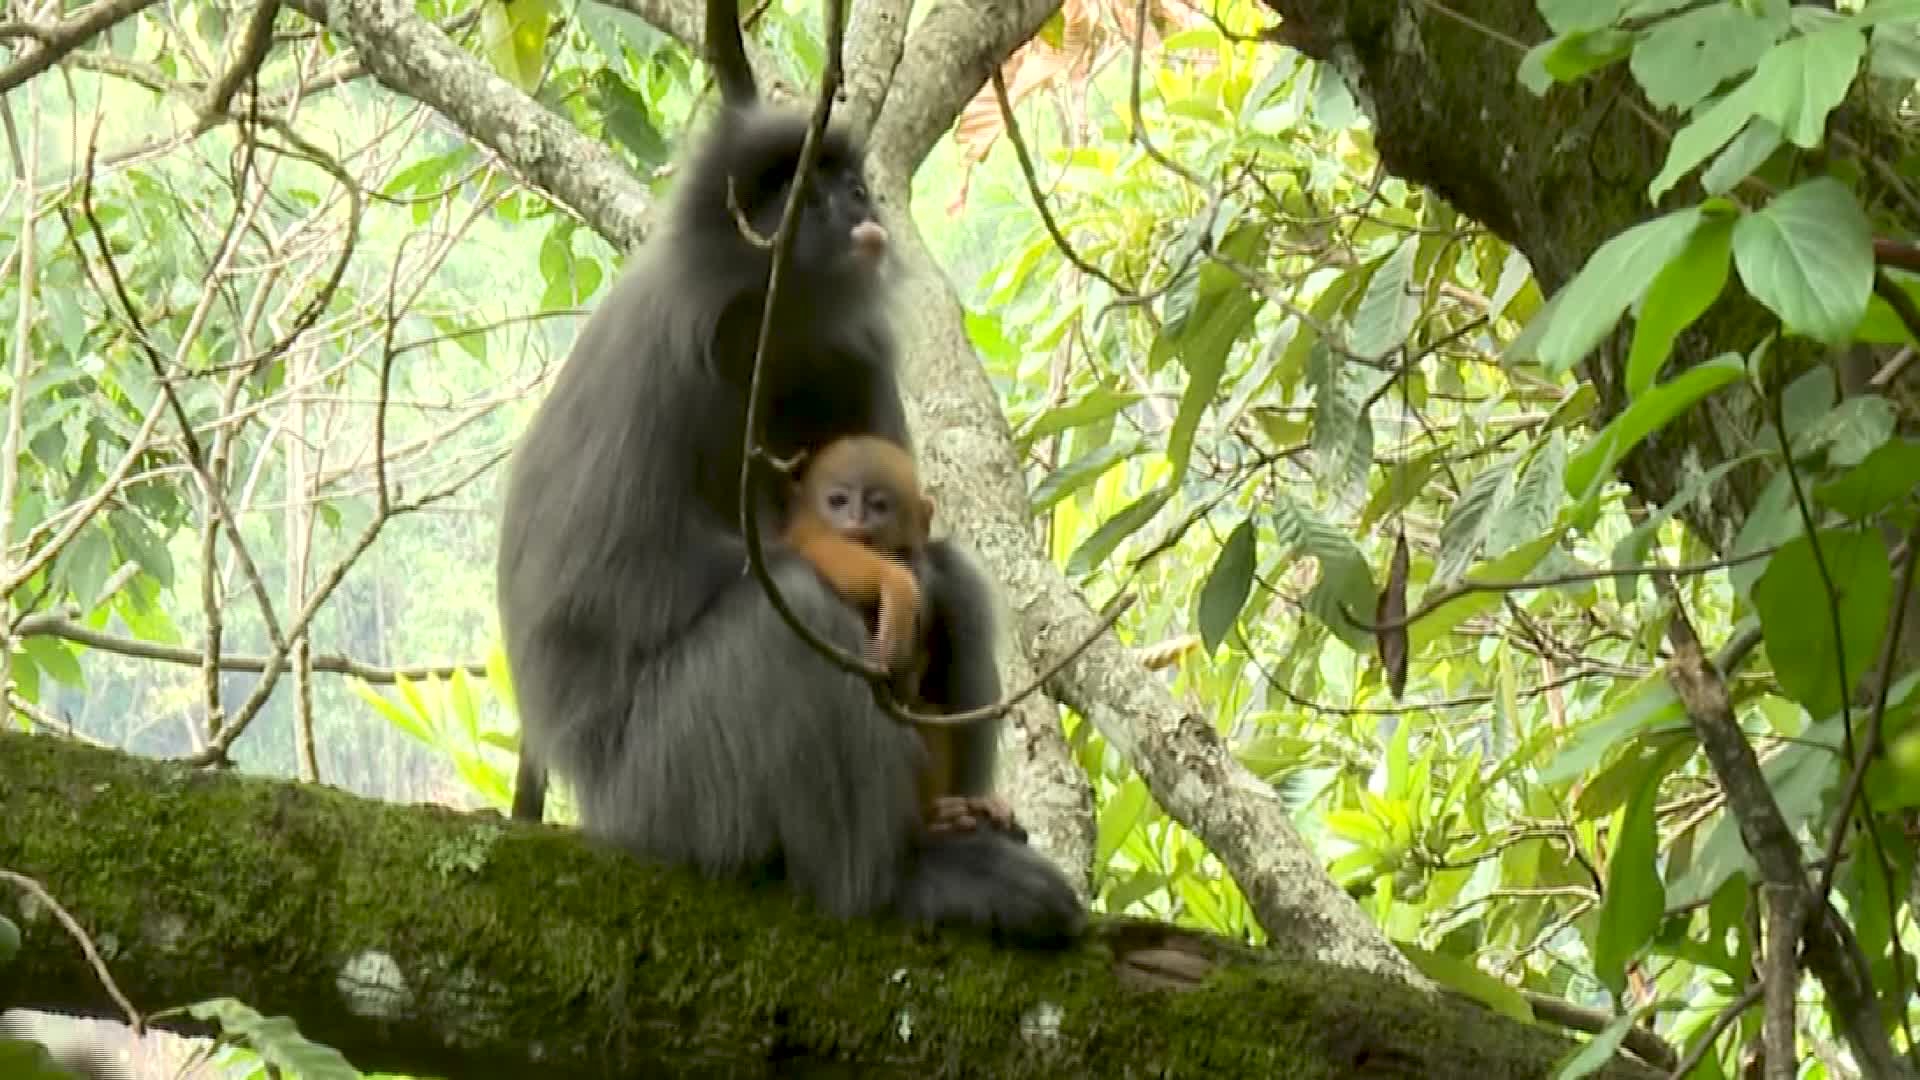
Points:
point(964, 813)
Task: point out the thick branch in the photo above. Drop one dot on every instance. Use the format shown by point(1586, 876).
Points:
point(460, 944)
point(62, 38)
point(1830, 953)
point(946, 62)
point(411, 56)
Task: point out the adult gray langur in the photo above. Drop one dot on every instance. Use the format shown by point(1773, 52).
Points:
point(652, 672)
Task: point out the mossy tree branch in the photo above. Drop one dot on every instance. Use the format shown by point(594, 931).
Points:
point(423, 939)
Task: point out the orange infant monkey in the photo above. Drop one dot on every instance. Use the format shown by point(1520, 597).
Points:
point(859, 516)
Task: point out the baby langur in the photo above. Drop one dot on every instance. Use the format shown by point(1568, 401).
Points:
point(858, 515)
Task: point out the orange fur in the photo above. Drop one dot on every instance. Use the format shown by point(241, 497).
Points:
point(863, 559)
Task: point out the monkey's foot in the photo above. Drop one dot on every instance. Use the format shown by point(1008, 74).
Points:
point(964, 813)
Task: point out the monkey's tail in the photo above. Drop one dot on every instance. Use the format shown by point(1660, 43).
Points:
point(990, 881)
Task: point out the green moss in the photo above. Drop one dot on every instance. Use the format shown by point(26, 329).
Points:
point(525, 951)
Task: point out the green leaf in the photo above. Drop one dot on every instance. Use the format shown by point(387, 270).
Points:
point(1510, 566)
point(1598, 1052)
point(1342, 439)
point(276, 1039)
point(1706, 133)
point(52, 656)
point(1386, 313)
point(1536, 498)
point(87, 562)
point(1749, 150)
point(1228, 585)
point(1345, 579)
point(1683, 59)
point(1849, 431)
point(1774, 519)
point(1649, 413)
point(1890, 473)
point(1678, 296)
point(499, 675)
point(1123, 811)
point(1571, 56)
point(1567, 16)
point(1082, 471)
point(395, 715)
point(1636, 898)
point(1465, 528)
point(1651, 702)
point(1801, 80)
point(1631, 551)
point(1093, 406)
point(1095, 549)
point(1462, 974)
point(1223, 309)
point(27, 1059)
point(1613, 278)
point(1609, 789)
point(1809, 257)
point(1797, 618)
point(628, 119)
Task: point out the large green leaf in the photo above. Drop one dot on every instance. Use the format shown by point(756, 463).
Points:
point(1536, 497)
point(1649, 413)
point(1346, 582)
point(1797, 617)
point(1091, 407)
point(1081, 471)
point(1465, 528)
point(1222, 312)
point(1683, 59)
point(1228, 585)
point(1801, 80)
point(1678, 296)
point(1386, 313)
point(1795, 85)
point(1636, 898)
point(1809, 256)
point(1095, 549)
point(1890, 473)
point(1613, 278)
point(276, 1039)
point(1342, 438)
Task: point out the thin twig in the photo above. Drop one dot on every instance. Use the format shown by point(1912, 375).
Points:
point(39, 892)
point(1060, 241)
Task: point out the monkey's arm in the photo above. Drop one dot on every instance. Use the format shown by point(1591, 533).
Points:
point(864, 576)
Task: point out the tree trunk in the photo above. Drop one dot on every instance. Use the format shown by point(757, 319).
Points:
point(1554, 176)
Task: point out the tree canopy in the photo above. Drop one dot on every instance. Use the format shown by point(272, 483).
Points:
point(1503, 416)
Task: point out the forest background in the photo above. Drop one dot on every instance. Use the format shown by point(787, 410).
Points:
point(1574, 647)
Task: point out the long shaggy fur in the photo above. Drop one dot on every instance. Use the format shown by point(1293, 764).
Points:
point(650, 669)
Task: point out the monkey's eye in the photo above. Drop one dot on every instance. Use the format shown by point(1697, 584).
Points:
point(858, 190)
point(837, 500)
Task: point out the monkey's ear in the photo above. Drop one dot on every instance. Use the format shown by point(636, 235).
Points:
point(926, 510)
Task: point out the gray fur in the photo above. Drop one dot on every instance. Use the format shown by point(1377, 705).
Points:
point(650, 670)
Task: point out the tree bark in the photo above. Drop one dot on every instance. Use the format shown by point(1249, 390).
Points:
point(466, 945)
point(1555, 176)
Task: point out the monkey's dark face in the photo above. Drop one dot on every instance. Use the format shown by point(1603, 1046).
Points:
point(839, 233)
point(736, 190)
